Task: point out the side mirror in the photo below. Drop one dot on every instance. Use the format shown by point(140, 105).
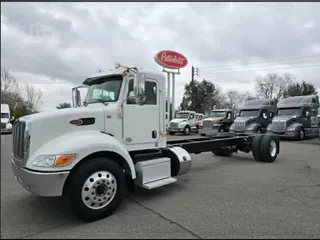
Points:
point(307, 114)
point(78, 98)
point(139, 88)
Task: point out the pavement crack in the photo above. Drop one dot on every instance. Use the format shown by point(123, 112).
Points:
point(294, 197)
point(165, 218)
point(46, 230)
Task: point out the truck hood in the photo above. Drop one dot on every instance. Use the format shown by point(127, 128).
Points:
point(4, 120)
point(284, 118)
point(245, 119)
point(214, 119)
point(178, 120)
point(46, 126)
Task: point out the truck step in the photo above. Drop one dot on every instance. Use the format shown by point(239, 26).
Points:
point(159, 183)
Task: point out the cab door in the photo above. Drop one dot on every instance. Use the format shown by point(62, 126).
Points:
point(141, 124)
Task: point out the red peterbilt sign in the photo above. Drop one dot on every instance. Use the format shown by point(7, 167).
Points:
point(170, 59)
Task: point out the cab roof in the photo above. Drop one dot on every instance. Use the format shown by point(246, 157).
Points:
point(299, 101)
point(117, 72)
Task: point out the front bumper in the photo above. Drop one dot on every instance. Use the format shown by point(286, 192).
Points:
point(6, 130)
point(286, 135)
point(45, 184)
point(176, 130)
point(208, 131)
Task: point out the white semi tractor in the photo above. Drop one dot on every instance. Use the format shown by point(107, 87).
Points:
point(94, 154)
point(6, 126)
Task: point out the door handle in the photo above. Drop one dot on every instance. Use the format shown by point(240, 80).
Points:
point(154, 134)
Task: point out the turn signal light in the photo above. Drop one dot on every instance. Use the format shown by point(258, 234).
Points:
point(63, 160)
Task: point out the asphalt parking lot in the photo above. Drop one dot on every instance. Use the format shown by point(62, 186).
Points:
point(222, 197)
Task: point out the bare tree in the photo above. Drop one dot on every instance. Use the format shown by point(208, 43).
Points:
point(8, 81)
point(273, 85)
point(34, 98)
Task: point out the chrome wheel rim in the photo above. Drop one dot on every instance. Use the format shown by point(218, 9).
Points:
point(187, 130)
point(99, 189)
point(273, 148)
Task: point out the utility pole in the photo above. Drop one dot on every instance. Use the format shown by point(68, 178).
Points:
point(194, 72)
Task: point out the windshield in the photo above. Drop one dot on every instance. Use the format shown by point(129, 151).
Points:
point(182, 115)
point(289, 111)
point(4, 115)
point(217, 114)
point(104, 90)
point(249, 113)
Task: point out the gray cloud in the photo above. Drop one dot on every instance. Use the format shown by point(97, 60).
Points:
point(70, 41)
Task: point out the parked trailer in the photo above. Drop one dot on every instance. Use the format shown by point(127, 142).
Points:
point(98, 152)
point(296, 118)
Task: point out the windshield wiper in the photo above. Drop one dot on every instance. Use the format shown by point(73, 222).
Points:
point(96, 101)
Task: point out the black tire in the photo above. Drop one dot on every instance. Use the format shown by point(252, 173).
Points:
point(224, 152)
point(256, 153)
point(74, 191)
point(171, 133)
point(221, 129)
point(202, 134)
point(268, 143)
point(186, 130)
point(258, 130)
point(301, 135)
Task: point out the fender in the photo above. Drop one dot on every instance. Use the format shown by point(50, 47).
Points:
point(82, 143)
point(253, 126)
point(293, 127)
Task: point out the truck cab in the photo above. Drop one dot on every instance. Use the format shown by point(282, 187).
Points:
point(93, 153)
point(6, 119)
point(296, 118)
point(219, 120)
point(183, 122)
point(254, 116)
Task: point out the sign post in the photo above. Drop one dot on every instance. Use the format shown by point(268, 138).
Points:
point(171, 62)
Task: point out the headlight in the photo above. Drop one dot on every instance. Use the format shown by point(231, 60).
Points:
point(251, 127)
point(53, 160)
point(291, 128)
point(182, 124)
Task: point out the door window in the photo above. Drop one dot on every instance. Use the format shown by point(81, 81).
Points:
point(151, 92)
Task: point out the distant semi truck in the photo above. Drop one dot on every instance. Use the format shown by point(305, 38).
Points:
point(254, 116)
point(6, 126)
point(297, 117)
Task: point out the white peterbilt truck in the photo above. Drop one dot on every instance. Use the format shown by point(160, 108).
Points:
point(93, 154)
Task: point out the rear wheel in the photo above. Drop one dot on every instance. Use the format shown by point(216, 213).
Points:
point(256, 153)
point(171, 133)
point(269, 148)
point(96, 189)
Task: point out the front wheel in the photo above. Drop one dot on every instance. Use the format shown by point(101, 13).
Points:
point(301, 134)
point(96, 189)
point(186, 130)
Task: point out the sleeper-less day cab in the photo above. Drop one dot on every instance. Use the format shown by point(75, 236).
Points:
point(94, 154)
point(6, 126)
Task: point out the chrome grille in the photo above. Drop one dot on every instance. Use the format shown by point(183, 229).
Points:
point(207, 124)
point(18, 145)
point(240, 126)
point(278, 125)
point(3, 125)
point(174, 125)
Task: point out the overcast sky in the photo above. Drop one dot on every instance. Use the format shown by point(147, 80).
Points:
point(55, 46)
